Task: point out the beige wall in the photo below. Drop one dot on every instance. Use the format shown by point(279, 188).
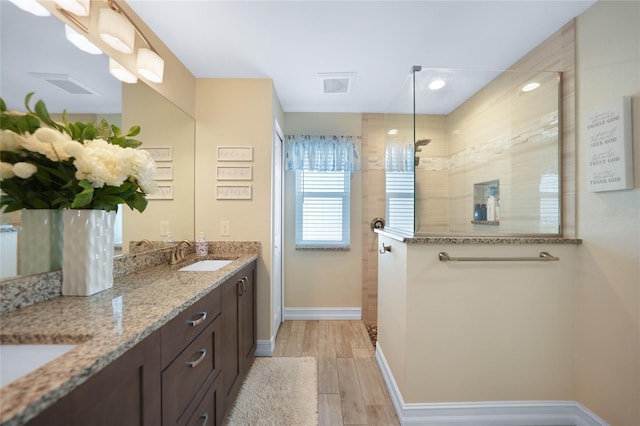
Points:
point(607, 356)
point(237, 112)
point(477, 331)
point(162, 125)
point(322, 278)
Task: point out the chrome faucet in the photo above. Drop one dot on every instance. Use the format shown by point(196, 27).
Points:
point(177, 254)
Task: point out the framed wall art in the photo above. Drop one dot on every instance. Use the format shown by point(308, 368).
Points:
point(235, 153)
point(163, 172)
point(162, 153)
point(164, 192)
point(233, 192)
point(609, 147)
point(234, 173)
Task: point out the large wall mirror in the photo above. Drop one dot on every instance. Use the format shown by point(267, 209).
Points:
point(44, 62)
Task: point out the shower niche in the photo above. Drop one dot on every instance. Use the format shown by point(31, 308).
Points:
point(486, 203)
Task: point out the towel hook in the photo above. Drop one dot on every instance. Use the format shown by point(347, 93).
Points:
point(384, 249)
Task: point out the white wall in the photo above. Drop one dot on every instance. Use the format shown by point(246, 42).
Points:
point(321, 278)
point(607, 356)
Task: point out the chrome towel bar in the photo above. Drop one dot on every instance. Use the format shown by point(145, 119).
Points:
point(542, 257)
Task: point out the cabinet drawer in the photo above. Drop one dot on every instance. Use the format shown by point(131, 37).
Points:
point(209, 411)
point(181, 330)
point(181, 380)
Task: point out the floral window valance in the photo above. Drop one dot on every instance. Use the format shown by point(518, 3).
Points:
point(322, 153)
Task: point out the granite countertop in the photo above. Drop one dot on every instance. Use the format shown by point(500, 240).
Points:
point(104, 326)
point(489, 240)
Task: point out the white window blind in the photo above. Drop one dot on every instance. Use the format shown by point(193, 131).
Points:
point(322, 209)
point(400, 200)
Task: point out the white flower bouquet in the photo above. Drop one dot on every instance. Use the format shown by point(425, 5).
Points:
point(50, 165)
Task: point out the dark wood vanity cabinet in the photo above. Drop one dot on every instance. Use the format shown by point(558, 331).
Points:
point(238, 314)
point(191, 364)
point(186, 373)
point(126, 392)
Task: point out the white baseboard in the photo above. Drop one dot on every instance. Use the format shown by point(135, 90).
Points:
point(322, 313)
point(265, 347)
point(491, 413)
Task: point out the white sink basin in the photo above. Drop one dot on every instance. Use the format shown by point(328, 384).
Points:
point(206, 265)
point(19, 360)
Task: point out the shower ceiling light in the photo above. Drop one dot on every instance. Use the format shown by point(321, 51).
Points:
point(31, 6)
point(80, 41)
point(116, 30)
point(77, 7)
point(150, 65)
point(437, 84)
point(121, 73)
point(530, 86)
point(392, 132)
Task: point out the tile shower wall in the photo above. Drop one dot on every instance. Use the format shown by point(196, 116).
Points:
point(373, 205)
point(557, 53)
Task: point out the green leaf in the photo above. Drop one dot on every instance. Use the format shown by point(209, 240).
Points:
point(103, 130)
point(3, 106)
point(27, 101)
point(134, 131)
point(89, 132)
point(116, 131)
point(85, 197)
point(132, 143)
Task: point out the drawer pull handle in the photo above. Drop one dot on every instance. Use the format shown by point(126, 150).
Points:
point(194, 364)
point(197, 319)
point(204, 418)
point(245, 280)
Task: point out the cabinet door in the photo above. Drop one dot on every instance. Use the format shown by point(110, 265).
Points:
point(229, 297)
point(248, 336)
point(126, 392)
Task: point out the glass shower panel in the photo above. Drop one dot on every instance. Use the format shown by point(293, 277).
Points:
point(483, 152)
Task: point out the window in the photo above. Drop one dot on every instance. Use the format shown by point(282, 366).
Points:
point(399, 196)
point(322, 209)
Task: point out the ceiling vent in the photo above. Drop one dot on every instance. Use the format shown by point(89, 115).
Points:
point(64, 82)
point(336, 83)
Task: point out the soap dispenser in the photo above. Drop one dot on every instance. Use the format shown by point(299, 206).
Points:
point(202, 247)
point(491, 205)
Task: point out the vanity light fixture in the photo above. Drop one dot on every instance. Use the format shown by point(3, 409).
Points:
point(121, 73)
point(530, 86)
point(392, 132)
point(32, 6)
point(150, 65)
point(116, 30)
point(437, 84)
point(80, 41)
point(77, 7)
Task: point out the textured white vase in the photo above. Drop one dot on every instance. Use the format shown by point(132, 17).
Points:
point(87, 252)
point(40, 241)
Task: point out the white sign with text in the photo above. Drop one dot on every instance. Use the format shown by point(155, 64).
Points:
point(609, 147)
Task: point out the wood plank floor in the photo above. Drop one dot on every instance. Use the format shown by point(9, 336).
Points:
point(351, 389)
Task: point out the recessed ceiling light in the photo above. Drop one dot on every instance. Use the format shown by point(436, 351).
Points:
point(392, 132)
point(80, 41)
point(437, 84)
point(530, 86)
point(31, 6)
